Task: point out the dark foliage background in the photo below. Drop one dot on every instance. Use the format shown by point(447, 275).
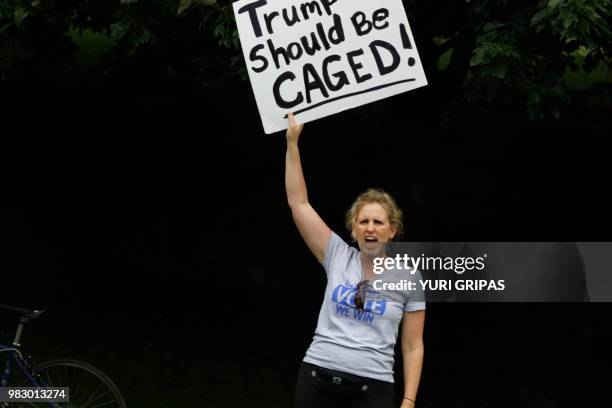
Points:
point(143, 203)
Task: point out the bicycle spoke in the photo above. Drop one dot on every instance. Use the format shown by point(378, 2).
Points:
point(78, 387)
point(101, 396)
point(103, 404)
point(92, 394)
point(66, 382)
point(49, 381)
point(89, 388)
point(65, 378)
point(93, 399)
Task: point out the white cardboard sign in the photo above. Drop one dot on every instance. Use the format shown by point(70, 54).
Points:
point(320, 57)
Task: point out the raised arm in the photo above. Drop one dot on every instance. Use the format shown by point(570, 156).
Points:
point(314, 231)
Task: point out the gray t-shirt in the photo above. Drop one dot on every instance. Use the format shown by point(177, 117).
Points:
point(354, 341)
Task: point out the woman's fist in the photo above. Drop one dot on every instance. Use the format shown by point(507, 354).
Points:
point(294, 129)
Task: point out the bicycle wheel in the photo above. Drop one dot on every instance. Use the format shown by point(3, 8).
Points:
point(88, 386)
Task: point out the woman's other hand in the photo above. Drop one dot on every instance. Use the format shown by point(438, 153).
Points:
point(407, 404)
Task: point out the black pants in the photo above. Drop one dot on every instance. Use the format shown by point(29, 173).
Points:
point(319, 391)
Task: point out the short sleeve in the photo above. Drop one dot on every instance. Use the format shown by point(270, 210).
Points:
point(336, 249)
point(414, 306)
point(416, 300)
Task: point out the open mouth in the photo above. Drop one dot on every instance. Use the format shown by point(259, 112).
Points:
point(371, 242)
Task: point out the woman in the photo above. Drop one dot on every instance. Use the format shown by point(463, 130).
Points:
point(350, 361)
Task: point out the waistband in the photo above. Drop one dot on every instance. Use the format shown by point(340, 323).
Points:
point(341, 380)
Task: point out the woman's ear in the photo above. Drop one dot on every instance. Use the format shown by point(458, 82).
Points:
point(393, 233)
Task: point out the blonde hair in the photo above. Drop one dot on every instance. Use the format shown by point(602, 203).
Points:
point(375, 195)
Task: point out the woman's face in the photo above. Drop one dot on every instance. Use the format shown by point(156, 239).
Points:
point(372, 228)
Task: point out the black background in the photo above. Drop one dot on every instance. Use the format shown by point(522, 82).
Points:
point(150, 216)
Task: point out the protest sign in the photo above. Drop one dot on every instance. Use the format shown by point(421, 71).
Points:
point(320, 57)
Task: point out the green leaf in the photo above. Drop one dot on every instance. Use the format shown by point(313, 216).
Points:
point(478, 58)
point(145, 36)
point(498, 71)
point(445, 59)
point(19, 15)
point(184, 5)
point(118, 30)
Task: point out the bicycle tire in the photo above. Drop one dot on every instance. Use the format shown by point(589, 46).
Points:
point(89, 387)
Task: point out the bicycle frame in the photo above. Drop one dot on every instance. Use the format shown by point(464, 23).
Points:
point(14, 356)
